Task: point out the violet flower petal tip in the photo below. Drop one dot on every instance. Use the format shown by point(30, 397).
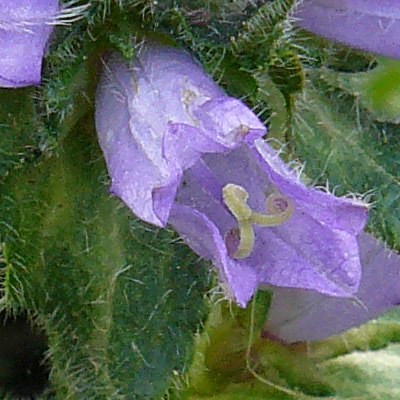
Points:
point(300, 315)
point(179, 150)
point(369, 25)
point(25, 28)
point(24, 32)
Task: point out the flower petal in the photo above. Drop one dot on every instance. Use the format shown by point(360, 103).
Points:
point(231, 120)
point(339, 213)
point(239, 278)
point(184, 144)
point(24, 31)
point(303, 252)
point(317, 247)
point(155, 118)
point(300, 315)
point(366, 24)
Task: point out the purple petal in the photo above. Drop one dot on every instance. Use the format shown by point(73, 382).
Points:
point(24, 31)
point(233, 122)
point(184, 144)
point(300, 315)
point(372, 25)
point(153, 121)
point(313, 249)
point(240, 278)
point(339, 213)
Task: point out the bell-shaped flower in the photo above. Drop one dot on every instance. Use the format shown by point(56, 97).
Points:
point(25, 27)
point(303, 315)
point(371, 25)
point(180, 151)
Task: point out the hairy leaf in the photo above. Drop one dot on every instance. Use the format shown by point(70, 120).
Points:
point(118, 300)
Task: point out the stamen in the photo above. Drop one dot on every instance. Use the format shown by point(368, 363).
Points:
point(235, 197)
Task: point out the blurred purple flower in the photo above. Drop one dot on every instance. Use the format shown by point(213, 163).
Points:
point(180, 151)
point(25, 27)
point(371, 25)
point(302, 315)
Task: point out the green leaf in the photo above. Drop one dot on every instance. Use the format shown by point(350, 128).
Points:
point(221, 349)
point(366, 375)
point(19, 139)
point(341, 144)
point(246, 391)
point(382, 90)
point(373, 335)
point(119, 300)
point(232, 358)
point(377, 89)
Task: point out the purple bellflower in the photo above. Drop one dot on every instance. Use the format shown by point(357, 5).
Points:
point(371, 25)
point(303, 315)
point(25, 27)
point(180, 151)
